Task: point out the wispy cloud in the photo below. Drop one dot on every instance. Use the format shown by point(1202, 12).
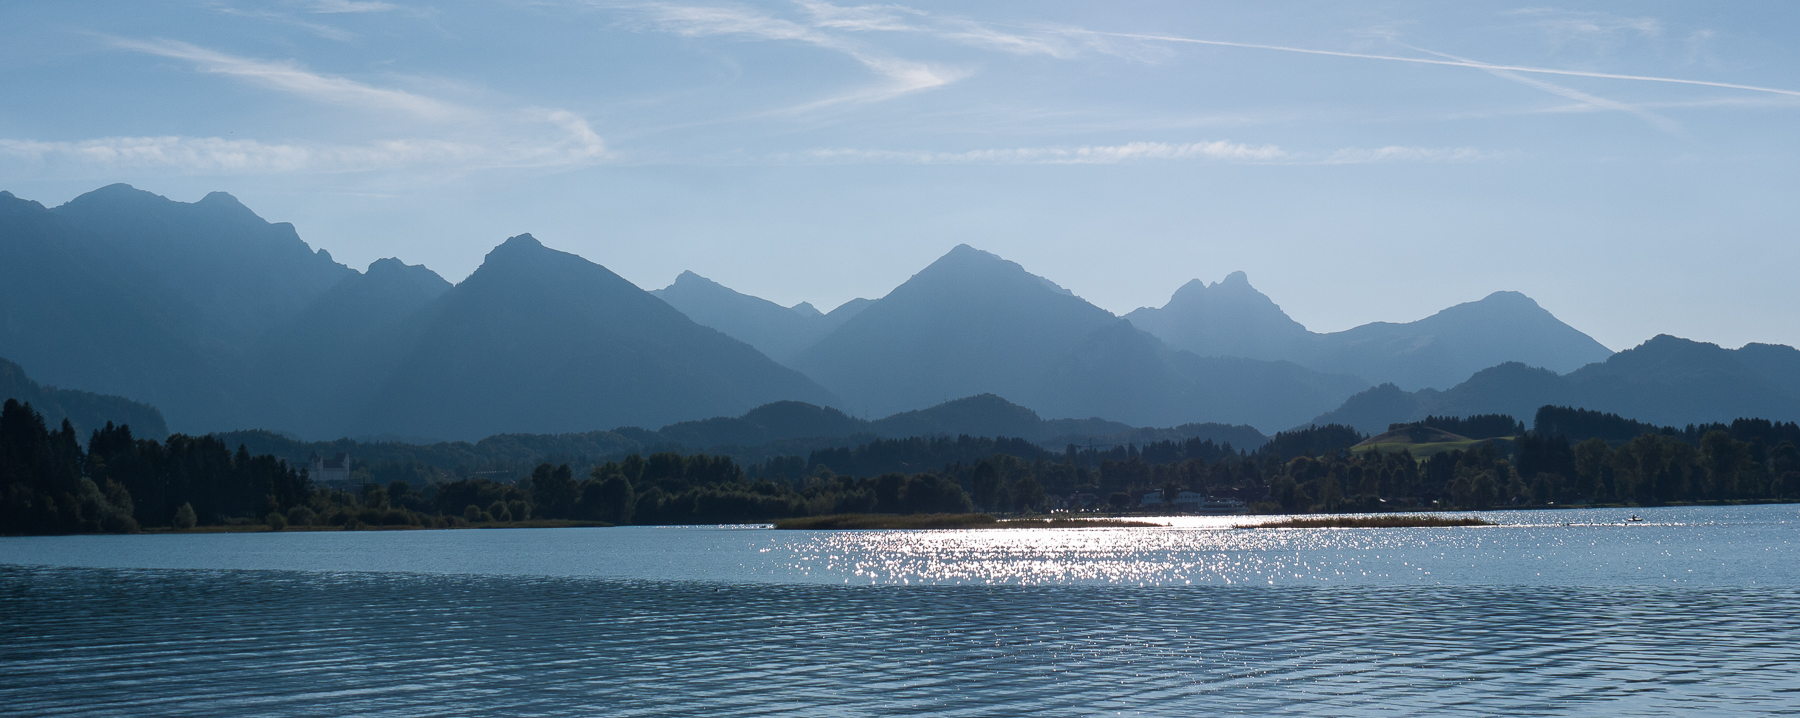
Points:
point(1601, 29)
point(1361, 156)
point(349, 6)
point(903, 76)
point(1658, 121)
point(293, 79)
point(1214, 151)
point(1449, 63)
point(451, 138)
point(574, 145)
point(325, 31)
point(1085, 154)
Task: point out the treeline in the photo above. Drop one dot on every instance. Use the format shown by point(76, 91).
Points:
point(53, 482)
point(1583, 424)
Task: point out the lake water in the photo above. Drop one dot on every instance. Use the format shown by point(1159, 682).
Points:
point(1692, 611)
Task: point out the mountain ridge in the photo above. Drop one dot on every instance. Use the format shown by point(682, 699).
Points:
point(1232, 318)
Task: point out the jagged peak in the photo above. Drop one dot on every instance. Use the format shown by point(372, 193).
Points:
point(1237, 279)
point(689, 278)
point(389, 264)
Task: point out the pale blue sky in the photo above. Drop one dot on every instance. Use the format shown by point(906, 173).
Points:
point(1632, 166)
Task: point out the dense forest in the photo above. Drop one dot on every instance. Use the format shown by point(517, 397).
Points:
point(50, 482)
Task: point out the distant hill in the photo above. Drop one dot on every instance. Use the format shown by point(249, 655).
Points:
point(778, 331)
point(87, 411)
point(1231, 318)
point(1665, 381)
point(984, 415)
point(1413, 434)
point(974, 323)
point(541, 341)
point(783, 428)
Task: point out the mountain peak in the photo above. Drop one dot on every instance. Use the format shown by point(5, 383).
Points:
point(688, 277)
point(1510, 298)
point(967, 256)
point(114, 195)
point(220, 198)
point(523, 241)
point(806, 309)
point(1237, 279)
point(964, 263)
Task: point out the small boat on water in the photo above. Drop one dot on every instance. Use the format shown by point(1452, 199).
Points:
point(1634, 519)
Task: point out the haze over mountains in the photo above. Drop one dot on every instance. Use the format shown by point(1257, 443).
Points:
point(777, 331)
point(225, 321)
point(1666, 381)
point(1231, 318)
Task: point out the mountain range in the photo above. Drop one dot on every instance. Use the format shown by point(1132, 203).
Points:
point(1665, 381)
point(225, 321)
point(777, 331)
point(1232, 318)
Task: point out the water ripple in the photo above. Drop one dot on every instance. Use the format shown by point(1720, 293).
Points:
point(104, 642)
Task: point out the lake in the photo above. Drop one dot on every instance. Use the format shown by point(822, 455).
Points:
point(1575, 612)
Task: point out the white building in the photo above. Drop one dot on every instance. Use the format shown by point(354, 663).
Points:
point(335, 470)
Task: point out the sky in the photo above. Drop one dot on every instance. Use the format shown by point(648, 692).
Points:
point(1634, 167)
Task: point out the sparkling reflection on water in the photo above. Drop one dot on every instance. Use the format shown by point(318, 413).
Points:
point(1698, 614)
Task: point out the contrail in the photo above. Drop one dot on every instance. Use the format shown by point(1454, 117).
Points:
point(1450, 63)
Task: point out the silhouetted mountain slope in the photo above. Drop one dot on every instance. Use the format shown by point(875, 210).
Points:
point(973, 323)
point(970, 323)
point(1228, 318)
point(1442, 349)
point(1664, 381)
point(242, 275)
point(87, 411)
point(1125, 374)
point(1780, 364)
point(1231, 318)
point(324, 363)
point(844, 312)
point(1674, 381)
point(778, 331)
point(84, 317)
point(543, 341)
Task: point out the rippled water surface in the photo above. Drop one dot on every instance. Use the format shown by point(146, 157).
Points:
point(1567, 613)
